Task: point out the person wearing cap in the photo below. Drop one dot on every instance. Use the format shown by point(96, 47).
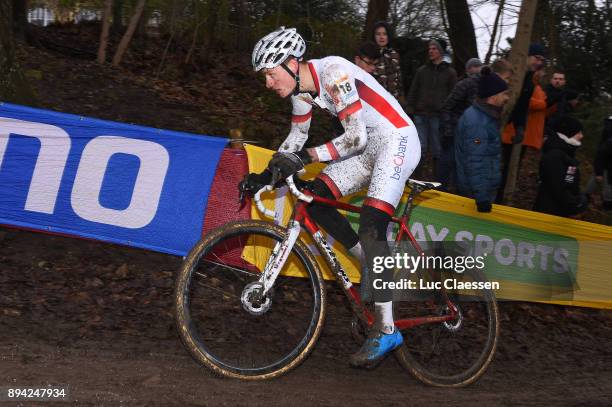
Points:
point(460, 98)
point(388, 72)
point(536, 61)
point(477, 141)
point(430, 87)
point(559, 176)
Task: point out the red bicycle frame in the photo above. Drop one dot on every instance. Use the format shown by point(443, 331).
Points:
point(301, 215)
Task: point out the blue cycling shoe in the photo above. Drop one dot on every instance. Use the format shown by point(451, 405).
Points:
point(377, 345)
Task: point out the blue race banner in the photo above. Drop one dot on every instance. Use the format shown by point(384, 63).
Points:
point(115, 182)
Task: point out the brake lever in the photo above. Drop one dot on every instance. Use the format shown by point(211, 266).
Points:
point(275, 176)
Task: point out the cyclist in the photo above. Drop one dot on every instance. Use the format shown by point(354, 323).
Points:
point(379, 150)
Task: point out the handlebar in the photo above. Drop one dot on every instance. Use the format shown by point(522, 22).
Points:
point(294, 191)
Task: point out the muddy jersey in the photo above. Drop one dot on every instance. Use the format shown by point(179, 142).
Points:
point(379, 147)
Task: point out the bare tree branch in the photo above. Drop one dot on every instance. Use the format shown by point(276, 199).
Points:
point(106, 21)
point(500, 10)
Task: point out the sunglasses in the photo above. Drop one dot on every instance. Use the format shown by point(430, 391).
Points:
point(369, 61)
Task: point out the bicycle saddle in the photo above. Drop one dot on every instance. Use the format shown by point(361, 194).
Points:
point(423, 184)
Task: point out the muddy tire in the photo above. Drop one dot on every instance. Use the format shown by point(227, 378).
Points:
point(253, 340)
point(456, 353)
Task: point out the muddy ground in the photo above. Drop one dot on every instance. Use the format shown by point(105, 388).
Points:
point(98, 318)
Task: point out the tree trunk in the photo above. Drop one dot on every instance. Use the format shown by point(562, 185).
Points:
point(591, 21)
point(553, 36)
point(20, 20)
point(13, 86)
point(443, 15)
point(143, 25)
point(194, 41)
point(494, 34)
point(127, 37)
point(518, 59)
point(279, 12)
point(538, 33)
point(461, 33)
point(243, 25)
point(377, 11)
point(212, 18)
point(106, 20)
point(117, 26)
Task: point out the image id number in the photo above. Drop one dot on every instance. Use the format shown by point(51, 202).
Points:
point(34, 393)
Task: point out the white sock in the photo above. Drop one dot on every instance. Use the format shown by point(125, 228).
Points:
point(384, 314)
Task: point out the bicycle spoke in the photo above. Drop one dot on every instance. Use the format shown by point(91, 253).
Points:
point(235, 328)
point(219, 290)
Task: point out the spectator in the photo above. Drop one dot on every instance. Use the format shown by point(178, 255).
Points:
point(560, 101)
point(536, 60)
point(557, 80)
point(460, 98)
point(503, 69)
point(477, 144)
point(555, 90)
point(388, 72)
point(367, 57)
point(602, 166)
point(559, 180)
point(536, 118)
point(430, 87)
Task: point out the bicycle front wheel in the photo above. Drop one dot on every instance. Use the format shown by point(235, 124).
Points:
point(224, 321)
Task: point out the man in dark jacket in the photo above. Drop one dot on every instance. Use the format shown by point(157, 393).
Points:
point(560, 101)
point(559, 180)
point(555, 90)
point(461, 97)
point(431, 85)
point(478, 143)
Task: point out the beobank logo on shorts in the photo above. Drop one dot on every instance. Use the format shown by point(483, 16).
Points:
point(399, 157)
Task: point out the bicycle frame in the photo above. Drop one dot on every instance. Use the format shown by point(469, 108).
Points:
point(300, 216)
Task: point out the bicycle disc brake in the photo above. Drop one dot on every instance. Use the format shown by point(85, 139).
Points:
point(453, 326)
point(252, 300)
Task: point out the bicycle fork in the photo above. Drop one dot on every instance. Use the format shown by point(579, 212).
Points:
point(279, 256)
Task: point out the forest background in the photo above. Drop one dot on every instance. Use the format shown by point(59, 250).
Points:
point(185, 64)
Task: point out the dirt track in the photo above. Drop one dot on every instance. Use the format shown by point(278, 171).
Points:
point(99, 318)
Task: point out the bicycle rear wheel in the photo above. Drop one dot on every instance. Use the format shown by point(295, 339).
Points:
point(454, 353)
point(222, 321)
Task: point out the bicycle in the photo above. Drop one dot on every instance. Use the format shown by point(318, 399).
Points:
point(243, 323)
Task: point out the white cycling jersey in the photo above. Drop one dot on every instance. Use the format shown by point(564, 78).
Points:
point(380, 147)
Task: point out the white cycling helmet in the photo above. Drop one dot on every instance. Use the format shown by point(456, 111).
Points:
point(273, 49)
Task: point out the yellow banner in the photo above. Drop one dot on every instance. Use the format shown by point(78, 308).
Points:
point(533, 256)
